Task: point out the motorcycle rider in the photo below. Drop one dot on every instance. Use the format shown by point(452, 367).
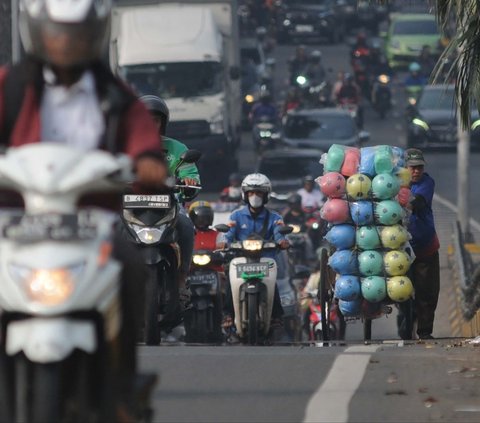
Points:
point(426, 60)
point(298, 63)
point(315, 70)
point(232, 193)
point(294, 215)
point(349, 93)
point(360, 48)
point(254, 217)
point(188, 175)
point(415, 77)
point(61, 92)
point(312, 197)
point(264, 109)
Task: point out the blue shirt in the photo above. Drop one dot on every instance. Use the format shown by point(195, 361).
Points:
point(422, 225)
point(244, 224)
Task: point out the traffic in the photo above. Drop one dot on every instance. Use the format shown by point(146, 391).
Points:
point(238, 210)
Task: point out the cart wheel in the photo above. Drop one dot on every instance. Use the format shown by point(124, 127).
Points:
point(323, 294)
point(367, 330)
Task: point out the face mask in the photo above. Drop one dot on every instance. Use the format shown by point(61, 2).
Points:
point(255, 201)
point(235, 192)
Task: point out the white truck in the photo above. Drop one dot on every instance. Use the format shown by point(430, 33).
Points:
point(186, 52)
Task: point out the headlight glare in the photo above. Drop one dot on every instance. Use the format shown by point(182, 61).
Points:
point(249, 98)
point(421, 123)
point(150, 235)
point(201, 259)
point(252, 245)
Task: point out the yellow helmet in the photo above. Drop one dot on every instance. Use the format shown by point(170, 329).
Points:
point(358, 186)
point(399, 288)
point(396, 262)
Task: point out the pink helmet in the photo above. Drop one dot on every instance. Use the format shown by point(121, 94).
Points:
point(335, 211)
point(332, 184)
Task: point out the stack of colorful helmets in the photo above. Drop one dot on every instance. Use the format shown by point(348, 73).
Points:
point(367, 191)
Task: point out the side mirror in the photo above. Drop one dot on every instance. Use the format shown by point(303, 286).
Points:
point(222, 228)
point(285, 230)
point(364, 136)
point(235, 73)
point(190, 156)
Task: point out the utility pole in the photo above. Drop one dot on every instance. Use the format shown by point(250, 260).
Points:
point(16, 45)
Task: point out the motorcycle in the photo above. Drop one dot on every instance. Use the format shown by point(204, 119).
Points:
point(315, 226)
point(314, 314)
point(252, 279)
point(203, 320)
point(382, 95)
point(60, 289)
point(265, 134)
point(149, 222)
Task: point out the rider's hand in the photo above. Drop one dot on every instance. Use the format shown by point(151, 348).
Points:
point(151, 172)
point(284, 244)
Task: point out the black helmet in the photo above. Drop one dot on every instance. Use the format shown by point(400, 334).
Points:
point(295, 200)
point(157, 106)
point(201, 214)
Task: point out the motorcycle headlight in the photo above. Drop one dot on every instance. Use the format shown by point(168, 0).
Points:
point(301, 80)
point(216, 124)
point(412, 101)
point(421, 123)
point(265, 134)
point(201, 259)
point(296, 229)
point(149, 235)
point(252, 245)
point(384, 79)
point(249, 98)
point(48, 287)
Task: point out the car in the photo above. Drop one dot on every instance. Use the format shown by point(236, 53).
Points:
point(309, 20)
point(286, 167)
point(363, 14)
point(432, 122)
point(320, 128)
point(406, 36)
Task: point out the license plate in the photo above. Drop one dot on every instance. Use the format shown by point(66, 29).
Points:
point(304, 28)
point(146, 201)
point(203, 279)
point(55, 227)
point(252, 268)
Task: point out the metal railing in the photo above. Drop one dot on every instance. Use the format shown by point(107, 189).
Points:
point(467, 274)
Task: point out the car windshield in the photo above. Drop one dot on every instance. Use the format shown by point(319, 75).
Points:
point(278, 168)
point(170, 80)
point(437, 99)
point(424, 27)
point(320, 127)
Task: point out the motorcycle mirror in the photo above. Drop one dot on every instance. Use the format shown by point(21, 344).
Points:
point(222, 228)
point(285, 230)
point(191, 156)
point(364, 136)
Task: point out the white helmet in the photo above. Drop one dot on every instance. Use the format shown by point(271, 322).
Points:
point(256, 182)
point(65, 33)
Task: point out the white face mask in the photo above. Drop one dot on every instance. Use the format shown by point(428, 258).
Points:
point(255, 201)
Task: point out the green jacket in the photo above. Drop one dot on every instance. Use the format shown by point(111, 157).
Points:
point(173, 151)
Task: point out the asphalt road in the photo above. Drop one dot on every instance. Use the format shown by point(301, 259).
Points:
point(387, 382)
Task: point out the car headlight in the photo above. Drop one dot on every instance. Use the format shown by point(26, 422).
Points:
point(201, 259)
point(265, 134)
point(475, 124)
point(216, 124)
point(421, 123)
point(249, 98)
point(301, 80)
point(395, 45)
point(48, 287)
point(252, 245)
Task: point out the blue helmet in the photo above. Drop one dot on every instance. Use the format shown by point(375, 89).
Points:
point(347, 288)
point(342, 237)
point(344, 262)
point(350, 308)
point(362, 212)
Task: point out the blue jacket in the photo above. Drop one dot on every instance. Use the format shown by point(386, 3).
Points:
point(244, 224)
point(422, 225)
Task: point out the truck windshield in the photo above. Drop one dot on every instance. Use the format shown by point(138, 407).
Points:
point(170, 80)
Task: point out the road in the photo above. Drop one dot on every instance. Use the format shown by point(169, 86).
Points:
point(384, 382)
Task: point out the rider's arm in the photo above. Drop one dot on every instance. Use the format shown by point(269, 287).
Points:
point(230, 236)
point(174, 151)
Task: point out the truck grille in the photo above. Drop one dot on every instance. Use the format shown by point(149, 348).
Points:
point(188, 129)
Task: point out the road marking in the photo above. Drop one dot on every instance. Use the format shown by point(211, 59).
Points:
point(449, 205)
point(329, 404)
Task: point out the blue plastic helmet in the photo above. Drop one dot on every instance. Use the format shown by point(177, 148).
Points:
point(342, 237)
point(362, 212)
point(347, 288)
point(344, 262)
point(350, 308)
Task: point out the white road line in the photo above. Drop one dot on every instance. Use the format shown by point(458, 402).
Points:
point(449, 205)
point(329, 404)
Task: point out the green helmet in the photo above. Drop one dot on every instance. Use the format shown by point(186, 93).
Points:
point(374, 289)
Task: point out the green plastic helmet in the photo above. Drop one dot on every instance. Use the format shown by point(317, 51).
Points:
point(393, 237)
point(388, 212)
point(385, 186)
point(396, 262)
point(367, 238)
point(370, 263)
point(399, 288)
point(374, 288)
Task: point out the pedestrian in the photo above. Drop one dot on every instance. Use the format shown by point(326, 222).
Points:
point(425, 270)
